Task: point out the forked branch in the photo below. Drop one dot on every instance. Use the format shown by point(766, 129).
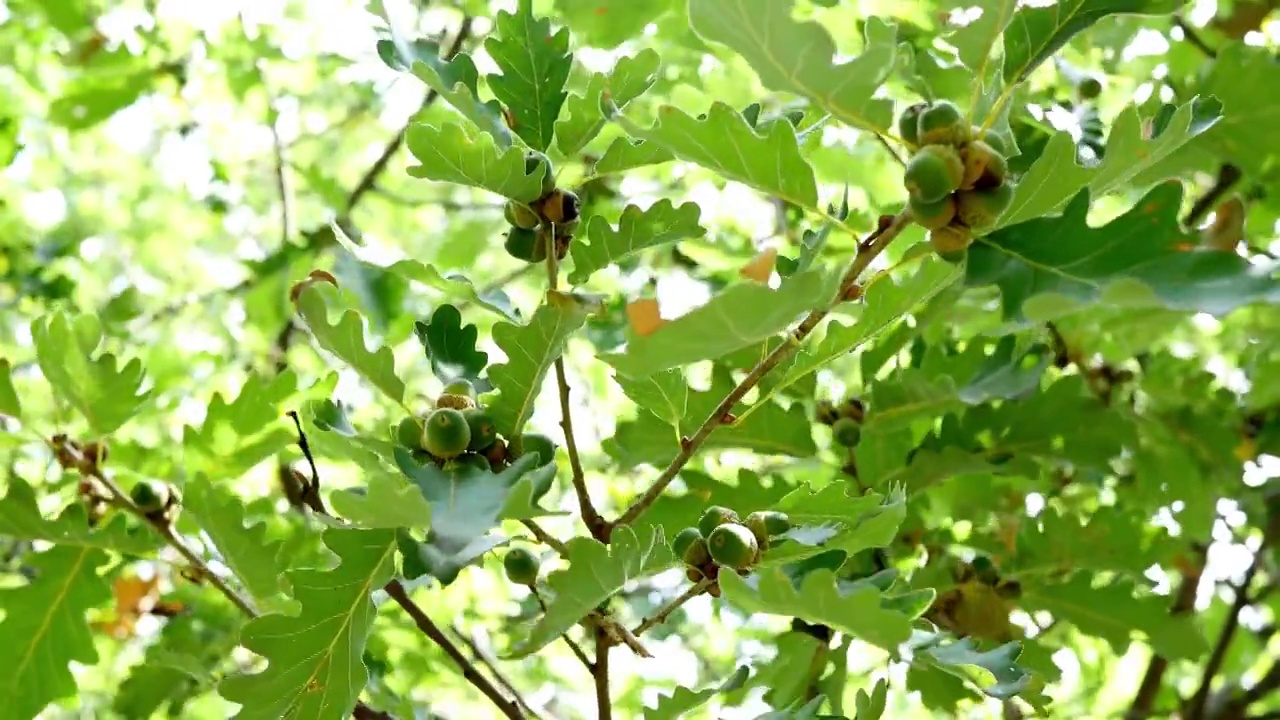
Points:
point(889, 229)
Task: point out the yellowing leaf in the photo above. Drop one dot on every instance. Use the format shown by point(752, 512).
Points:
point(760, 268)
point(644, 316)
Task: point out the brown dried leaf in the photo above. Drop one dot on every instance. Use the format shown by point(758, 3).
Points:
point(644, 316)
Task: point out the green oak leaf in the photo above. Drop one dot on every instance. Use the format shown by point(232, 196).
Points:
point(1056, 177)
point(870, 706)
point(237, 435)
point(106, 395)
point(585, 117)
point(742, 314)
point(535, 65)
point(467, 502)
point(388, 502)
point(909, 396)
point(1114, 612)
point(21, 519)
point(798, 56)
point(9, 404)
point(1036, 33)
point(665, 394)
point(315, 670)
point(995, 671)
point(455, 287)
point(453, 154)
point(770, 429)
point(975, 42)
point(723, 141)
point(331, 435)
point(608, 23)
point(531, 351)
point(1243, 136)
point(451, 347)
point(428, 559)
point(1004, 372)
point(251, 555)
point(625, 154)
point(829, 519)
point(456, 80)
point(769, 591)
point(345, 339)
point(1081, 265)
point(885, 302)
point(45, 627)
point(602, 245)
point(682, 700)
point(595, 573)
point(798, 710)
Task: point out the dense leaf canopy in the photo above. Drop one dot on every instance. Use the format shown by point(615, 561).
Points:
point(564, 359)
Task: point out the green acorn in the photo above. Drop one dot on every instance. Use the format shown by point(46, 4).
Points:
point(483, 432)
point(689, 546)
point(521, 215)
point(713, 517)
point(532, 159)
point(462, 387)
point(409, 433)
point(933, 173)
point(540, 444)
point(521, 566)
point(846, 432)
point(525, 245)
point(149, 496)
point(733, 545)
point(446, 433)
point(942, 123)
point(765, 524)
point(909, 123)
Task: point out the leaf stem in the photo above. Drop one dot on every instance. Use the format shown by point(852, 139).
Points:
point(509, 708)
point(1197, 705)
point(573, 645)
point(546, 538)
point(889, 229)
point(661, 616)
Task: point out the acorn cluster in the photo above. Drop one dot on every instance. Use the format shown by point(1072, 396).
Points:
point(722, 539)
point(845, 420)
point(956, 178)
point(458, 430)
point(551, 219)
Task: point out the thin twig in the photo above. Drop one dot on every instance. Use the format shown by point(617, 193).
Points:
point(310, 493)
point(1228, 176)
point(604, 705)
point(595, 524)
point(509, 708)
point(493, 669)
point(661, 616)
point(1192, 36)
point(1196, 706)
point(573, 645)
point(869, 248)
point(282, 182)
point(590, 515)
point(889, 148)
point(545, 538)
point(1183, 602)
